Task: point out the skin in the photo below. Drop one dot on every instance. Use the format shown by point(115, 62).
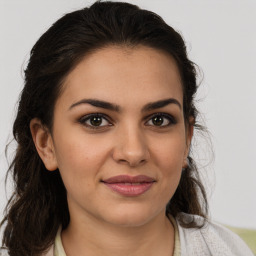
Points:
point(127, 141)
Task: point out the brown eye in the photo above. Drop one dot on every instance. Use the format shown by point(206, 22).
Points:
point(158, 120)
point(95, 121)
point(161, 120)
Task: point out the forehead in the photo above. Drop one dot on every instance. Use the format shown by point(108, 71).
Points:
point(124, 74)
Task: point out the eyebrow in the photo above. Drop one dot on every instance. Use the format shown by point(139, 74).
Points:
point(116, 108)
point(97, 103)
point(161, 104)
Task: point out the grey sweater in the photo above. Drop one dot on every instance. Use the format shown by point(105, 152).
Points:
point(210, 240)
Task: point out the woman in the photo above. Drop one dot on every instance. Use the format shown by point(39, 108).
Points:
point(104, 128)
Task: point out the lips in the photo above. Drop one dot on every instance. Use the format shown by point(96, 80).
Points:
point(129, 179)
point(129, 185)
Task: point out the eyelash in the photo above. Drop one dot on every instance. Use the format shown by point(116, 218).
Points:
point(170, 119)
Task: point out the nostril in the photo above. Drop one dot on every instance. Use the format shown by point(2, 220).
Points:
point(132, 151)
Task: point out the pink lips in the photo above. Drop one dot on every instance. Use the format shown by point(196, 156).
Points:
point(129, 185)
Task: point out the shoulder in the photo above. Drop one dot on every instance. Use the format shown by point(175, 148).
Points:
point(210, 239)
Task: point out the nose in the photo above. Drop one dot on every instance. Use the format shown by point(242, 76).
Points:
point(131, 148)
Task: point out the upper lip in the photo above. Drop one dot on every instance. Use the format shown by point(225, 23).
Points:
point(129, 179)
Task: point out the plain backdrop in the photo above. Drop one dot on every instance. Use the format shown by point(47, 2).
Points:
point(221, 39)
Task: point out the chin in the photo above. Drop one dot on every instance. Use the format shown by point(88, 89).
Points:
point(131, 217)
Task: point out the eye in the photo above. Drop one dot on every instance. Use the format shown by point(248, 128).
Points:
point(95, 121)
point(161, 120)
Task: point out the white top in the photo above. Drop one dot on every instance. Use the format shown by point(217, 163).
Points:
point(59, 250)
point(210, 240)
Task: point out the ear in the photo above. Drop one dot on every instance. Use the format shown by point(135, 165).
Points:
point(44, 144)
point(189, 136)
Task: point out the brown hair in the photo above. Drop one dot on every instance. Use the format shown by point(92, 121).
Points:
point(38, 205)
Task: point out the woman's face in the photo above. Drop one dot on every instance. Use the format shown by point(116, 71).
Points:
point(119, 138)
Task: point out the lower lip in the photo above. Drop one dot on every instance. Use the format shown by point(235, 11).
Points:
point(130, 189)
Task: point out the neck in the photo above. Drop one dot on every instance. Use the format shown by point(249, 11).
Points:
point(94, 238)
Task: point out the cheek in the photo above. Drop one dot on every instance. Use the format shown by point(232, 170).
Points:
point(78, 169)
point(79, 151)
point(169, 156)
point(79, 161)
point(169, 153)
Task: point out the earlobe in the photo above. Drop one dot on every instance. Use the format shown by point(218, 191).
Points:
point(43, 143)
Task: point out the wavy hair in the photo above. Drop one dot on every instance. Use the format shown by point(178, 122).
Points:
point(38, 205)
